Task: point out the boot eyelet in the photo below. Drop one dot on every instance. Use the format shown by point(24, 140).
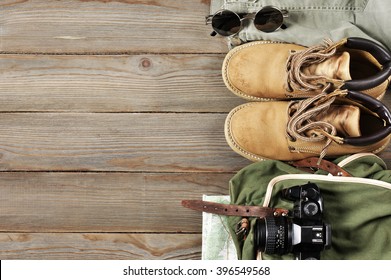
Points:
point(291, 138)
point(289, 90)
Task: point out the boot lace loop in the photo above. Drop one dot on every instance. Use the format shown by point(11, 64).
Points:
point(302, 124)
point(300, 82)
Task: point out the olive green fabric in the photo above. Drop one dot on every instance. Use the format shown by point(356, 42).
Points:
point(358, 209)
point(310, 21)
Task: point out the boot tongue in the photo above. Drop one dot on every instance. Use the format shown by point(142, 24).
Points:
point(345, 118)
point(336, 67)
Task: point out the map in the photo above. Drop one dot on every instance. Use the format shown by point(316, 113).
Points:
point(217, 243)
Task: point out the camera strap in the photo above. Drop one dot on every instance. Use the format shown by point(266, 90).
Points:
point(233, 210)
point(312, 164)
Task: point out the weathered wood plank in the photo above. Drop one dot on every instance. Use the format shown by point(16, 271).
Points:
point(134, 142)
point(86, 26)
point(104, 202)
point(115, 142)
point(135, 83)
point(89, 246)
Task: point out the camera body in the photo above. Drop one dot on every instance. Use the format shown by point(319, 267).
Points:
point(302, 233)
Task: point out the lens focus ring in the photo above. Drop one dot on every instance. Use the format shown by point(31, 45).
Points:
point(271, 235)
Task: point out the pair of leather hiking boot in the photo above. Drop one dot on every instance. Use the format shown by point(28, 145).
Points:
point(318, 101)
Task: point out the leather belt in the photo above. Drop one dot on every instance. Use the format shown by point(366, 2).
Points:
point(233, 210)
point(325, 165)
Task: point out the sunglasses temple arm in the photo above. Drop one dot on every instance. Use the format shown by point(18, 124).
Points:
point(208, 20)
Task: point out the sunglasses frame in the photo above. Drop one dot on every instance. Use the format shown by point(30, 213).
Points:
point(253, 15)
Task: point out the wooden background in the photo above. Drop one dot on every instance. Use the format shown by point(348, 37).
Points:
point(111, 113)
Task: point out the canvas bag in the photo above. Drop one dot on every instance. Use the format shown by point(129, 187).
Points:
point(358, 208)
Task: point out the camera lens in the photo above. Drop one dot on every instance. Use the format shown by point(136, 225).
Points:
point(273, 235)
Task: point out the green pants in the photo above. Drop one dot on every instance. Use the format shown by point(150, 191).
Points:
point(310, 21)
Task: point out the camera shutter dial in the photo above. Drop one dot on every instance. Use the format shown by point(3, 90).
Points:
point(311, 209)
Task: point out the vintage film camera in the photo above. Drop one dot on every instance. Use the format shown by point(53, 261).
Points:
point(303, 233)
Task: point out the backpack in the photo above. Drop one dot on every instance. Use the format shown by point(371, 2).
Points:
point(357, 208)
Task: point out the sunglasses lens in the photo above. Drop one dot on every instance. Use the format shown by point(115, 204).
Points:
point(226, 23)
point(268, 19)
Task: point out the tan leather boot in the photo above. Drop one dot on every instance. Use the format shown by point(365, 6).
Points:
point(265, 70)
point(331, 125)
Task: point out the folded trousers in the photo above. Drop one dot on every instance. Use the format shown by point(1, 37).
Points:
point(311, 21)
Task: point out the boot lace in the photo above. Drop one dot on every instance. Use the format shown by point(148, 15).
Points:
point(302, 124)
point(300, 82)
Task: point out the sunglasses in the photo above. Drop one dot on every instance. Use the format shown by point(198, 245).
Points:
point(228, 23)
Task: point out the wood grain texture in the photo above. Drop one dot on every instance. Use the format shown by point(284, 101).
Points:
point(104, 202)
point(92, 246)
point(90, 26)
point(116, 142)
point(135, 83)
point(111, 113)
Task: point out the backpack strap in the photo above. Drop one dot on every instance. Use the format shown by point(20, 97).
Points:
point(311, 165)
